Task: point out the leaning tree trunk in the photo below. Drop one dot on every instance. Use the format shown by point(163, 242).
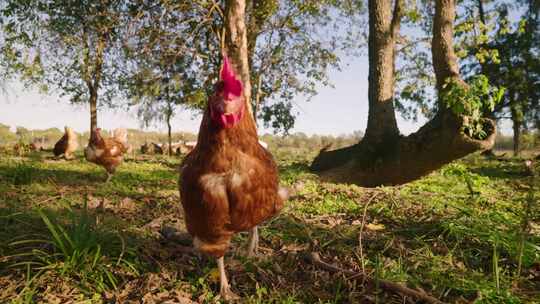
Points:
point(236, 45)
point(384, 157)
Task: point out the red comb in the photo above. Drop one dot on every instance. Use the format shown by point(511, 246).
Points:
point(232, 87)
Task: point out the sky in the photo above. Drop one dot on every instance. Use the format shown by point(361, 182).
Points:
point(334, 111)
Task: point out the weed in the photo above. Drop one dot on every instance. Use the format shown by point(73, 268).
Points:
point(78, 250)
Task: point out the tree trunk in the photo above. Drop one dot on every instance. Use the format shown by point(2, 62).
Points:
point(255, 20)
point(169, 113)
point(517, 122)
point(490, 153)
point(93, 79)
point(382, 128)
point(169, 132)
point(93, 109)
point(236, 44)
point(481, 12)
point(384, 157)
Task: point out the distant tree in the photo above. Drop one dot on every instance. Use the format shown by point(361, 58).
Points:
point(6, 136)
point(69, 47)
point(161, 71)
point(23, 134)
point(516, 64)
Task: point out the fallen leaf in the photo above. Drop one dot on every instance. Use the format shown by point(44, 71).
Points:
point(375, 227)
point(213, 276)
point(127, 203)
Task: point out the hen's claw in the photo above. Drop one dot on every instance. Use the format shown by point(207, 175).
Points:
point(225, 289)
point(227, 294)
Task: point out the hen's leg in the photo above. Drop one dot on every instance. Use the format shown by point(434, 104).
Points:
point(109, 176)
point(253, 242)
point(225, 289)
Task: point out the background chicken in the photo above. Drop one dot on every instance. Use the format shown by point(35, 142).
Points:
point(229, 182)
point(108, 152)
point(67, 144)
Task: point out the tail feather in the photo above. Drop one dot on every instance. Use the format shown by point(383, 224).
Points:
point(121, 135)
point(284, 193)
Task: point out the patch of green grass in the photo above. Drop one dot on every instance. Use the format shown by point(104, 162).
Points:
point(77, 249)
point(460, 233)
point(18, 173)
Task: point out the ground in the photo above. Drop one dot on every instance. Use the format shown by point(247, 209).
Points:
point(459, 234)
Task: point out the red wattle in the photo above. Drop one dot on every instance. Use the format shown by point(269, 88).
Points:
point(230, 120)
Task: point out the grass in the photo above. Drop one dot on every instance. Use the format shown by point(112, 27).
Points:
point(469, 232)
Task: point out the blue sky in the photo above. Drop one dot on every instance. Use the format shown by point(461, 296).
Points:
point(339, 110)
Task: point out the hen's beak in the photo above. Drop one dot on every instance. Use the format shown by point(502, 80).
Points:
point(229, 106)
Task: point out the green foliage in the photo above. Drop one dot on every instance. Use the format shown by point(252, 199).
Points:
point(56, 45)
point(472, 101)
point(293, 45)
point(6, 136)
point(162, 76)
point(498, 39)
point(278, 116)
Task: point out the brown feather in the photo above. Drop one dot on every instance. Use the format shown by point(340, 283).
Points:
point(108, 153)
point(229, 183)
point(67, 144)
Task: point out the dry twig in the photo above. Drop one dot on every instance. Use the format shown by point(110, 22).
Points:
point(316, 260)
point(360, 246)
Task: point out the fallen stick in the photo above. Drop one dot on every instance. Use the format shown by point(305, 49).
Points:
point(316, 260)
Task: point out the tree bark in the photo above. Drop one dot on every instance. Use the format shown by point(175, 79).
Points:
point(384, 157)
point(255, 20)
point(169, 111)
point(93, 78)
point(383, 30)
point(93, 109)
point(481, 11)
point(517, 122)
point(169, 127)
point(236, 44)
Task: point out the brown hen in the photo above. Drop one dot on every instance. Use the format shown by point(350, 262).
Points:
point(66, 145)
point(229, 182)
point(109, 152)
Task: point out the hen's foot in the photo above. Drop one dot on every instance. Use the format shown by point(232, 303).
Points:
point(227, 294)
point(225, 289)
